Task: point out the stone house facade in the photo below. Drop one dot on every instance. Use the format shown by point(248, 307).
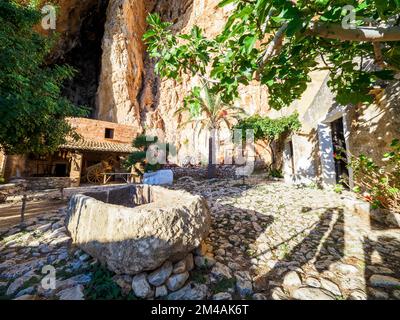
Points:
point(308, 156)
point(99, 140)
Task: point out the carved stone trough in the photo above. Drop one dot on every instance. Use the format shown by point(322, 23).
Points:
point(137, 228)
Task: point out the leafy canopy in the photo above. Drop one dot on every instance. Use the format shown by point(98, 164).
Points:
point(32, 109)
point(274, 42)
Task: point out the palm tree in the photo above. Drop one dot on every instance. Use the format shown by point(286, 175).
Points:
point(208, 111)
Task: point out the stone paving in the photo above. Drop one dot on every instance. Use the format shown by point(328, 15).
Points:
point(268, 240)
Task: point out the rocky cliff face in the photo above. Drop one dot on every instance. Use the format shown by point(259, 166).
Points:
point(130, 93)
point(124, 89)
point(122, 63)
point(185, 14)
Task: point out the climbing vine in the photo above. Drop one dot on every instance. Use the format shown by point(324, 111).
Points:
point(271, 130)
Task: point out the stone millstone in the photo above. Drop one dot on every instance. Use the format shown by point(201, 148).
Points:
point(165, 225)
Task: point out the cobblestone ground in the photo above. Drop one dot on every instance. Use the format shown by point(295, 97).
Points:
point(298, 243)
point(268, 240)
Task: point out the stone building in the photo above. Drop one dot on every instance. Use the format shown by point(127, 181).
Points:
point(100, 141)
point(308, 155)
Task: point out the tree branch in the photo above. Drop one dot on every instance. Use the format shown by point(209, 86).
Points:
point(272, 47)
point(367, 34)
point(378, 55)
point(208, 79)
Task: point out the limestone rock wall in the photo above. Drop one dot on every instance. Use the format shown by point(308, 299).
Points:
point(130, 93)
point(122, 63)
point(70, 15)
point(206, 15)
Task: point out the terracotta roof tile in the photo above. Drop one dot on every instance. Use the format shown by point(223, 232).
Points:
point(87, 145)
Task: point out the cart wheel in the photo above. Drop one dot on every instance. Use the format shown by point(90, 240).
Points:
point(95, 175)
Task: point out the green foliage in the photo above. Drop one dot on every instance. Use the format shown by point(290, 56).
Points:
point(380, 185)
point(3, 294)
point(144, 142)
point(275, 173)
point(32, 110)
point(102, 286)
point(199, 276)
point(207, 109)
point(138, 159)
point(192, 57)
point(267, 128)
point(2, 180)
point(235, 56)
point(223, 285)
point(338, 188)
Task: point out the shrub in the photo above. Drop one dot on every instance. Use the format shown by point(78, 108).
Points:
point(338, 188)
point(138, 159)
point(275, 173)
point(379, 185)
point(103, 287)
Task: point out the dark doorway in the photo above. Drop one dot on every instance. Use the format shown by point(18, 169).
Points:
point(60, 170)
point(290, 155)
point(339, 151)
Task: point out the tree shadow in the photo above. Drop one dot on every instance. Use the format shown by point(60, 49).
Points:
point(382, 257)
point(322, 247)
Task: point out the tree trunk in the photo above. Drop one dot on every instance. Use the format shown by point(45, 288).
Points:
point(273, 156)
point(212, 167)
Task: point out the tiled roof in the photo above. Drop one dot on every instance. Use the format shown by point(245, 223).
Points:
point(86, 145)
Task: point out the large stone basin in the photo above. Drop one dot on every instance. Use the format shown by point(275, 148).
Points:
point(137, 228)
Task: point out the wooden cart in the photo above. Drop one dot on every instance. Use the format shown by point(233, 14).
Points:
point(95, 173)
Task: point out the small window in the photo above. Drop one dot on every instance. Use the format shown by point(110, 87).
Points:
point(109, 134)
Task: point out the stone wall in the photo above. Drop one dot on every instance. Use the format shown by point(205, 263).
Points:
point(374, 127)
point(15, 167)
point(45, 183)
point(314, 105)
point(9, 189)
point(94, 130)
point(370, 129)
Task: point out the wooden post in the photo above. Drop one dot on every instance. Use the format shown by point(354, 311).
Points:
point(23, 207)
